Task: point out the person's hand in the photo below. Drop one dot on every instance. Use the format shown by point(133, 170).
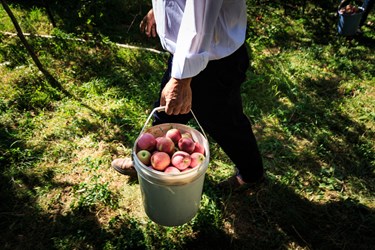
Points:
point(148, 24)
point(176, 96)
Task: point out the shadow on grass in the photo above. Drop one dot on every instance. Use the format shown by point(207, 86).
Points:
point(274, 217)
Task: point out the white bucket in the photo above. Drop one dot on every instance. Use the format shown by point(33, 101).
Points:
point(171, 199)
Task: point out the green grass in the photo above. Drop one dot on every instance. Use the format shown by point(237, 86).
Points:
point(309, 93)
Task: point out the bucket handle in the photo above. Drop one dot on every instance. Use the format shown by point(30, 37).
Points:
point(162, 108)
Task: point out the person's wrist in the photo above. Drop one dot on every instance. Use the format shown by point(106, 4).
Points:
point(185, 81)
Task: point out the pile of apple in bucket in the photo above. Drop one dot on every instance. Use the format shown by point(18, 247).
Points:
point(173, 152)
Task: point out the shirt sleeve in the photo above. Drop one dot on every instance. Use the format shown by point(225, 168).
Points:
point(195, 37)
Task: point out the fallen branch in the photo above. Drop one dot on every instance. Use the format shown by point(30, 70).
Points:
point(140, 48)
point(127, 46)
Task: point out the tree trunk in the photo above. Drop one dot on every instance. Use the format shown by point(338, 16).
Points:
point(50, 78)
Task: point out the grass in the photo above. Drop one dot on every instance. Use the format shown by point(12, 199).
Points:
point(309, 93)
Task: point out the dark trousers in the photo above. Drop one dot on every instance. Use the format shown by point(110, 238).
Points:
point(217, 105)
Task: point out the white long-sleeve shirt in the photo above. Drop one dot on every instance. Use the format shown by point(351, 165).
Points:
point(197, 31)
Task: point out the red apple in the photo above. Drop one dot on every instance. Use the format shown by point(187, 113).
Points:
point(181, 160)
point(144, 156)
point(146, 141)
point(174, 134)
point(198, 148)
point(165, 144)
point(172, 170)
point(160, 160)
point(196, 159)
point(186, 144)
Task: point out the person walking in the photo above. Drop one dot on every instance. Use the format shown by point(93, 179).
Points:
point(207, 66)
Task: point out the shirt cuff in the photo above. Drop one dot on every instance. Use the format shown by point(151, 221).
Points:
point(186, 67)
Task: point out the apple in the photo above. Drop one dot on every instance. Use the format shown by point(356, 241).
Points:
point(146, 141)
point(174, 134)
point(165, 144)
point(196, 159)
point(181, 160)
point(144, 156)
point(160, 160)
point(172, 170)
point(186, 144)
point(198, 148)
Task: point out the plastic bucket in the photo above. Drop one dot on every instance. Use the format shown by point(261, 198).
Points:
point(349, 23)
point(171, 199)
